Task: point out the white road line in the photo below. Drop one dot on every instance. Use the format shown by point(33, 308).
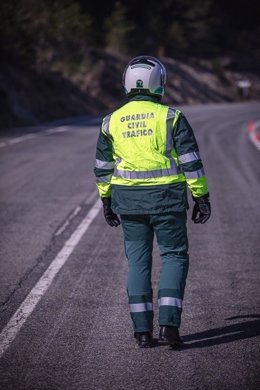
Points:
point(66, 223)
point(22, 138)
point(88, 200)
point(26, 308)
point(60, 129)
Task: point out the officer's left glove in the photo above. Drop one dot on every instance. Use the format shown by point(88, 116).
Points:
point(111, 218)
point(202, 209)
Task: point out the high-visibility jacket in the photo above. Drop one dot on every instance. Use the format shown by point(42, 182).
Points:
point(146, 156)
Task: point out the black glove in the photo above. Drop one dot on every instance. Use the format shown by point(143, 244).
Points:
point(111, 218)
point(201, 207)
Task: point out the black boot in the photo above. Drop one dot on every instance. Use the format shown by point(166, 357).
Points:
point(170, 335)
point(144, 339)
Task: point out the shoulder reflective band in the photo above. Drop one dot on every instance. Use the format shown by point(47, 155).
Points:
point(170, 121)
point(170, 301)
point(172, 117)
point(105, 126)
point(188, 157)
point(140, 307)
point(105, 164)
point(194, 174)
point(104, 179)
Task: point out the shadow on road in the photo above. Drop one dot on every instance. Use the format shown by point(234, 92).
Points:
point(223, 335)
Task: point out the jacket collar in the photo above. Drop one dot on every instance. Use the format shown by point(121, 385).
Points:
point(145, 98)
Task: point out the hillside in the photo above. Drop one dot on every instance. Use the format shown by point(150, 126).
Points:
point(31, 95)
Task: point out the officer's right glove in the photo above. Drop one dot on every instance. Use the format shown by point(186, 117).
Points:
point(111, 218)
point(202, 209)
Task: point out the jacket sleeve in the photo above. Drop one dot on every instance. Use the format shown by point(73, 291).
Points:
point(187, 150)
point(104, 166)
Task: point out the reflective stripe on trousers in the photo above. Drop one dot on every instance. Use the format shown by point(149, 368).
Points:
point(170, 301)
point(141, 307)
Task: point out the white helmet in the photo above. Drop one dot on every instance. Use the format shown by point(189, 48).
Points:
point(144, 74)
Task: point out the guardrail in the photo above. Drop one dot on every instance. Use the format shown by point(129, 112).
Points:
point(253, 129)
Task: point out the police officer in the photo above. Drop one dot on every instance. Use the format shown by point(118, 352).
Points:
point(146, 158)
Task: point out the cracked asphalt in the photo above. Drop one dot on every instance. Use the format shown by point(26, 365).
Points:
point(79, 336)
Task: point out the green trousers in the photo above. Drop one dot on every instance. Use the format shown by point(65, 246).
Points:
point(171, 234)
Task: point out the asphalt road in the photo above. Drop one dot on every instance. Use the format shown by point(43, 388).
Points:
point(73, 331)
